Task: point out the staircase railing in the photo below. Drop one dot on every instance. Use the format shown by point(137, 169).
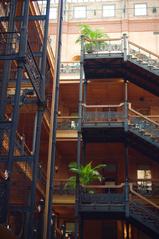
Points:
point(144, 210)
point(143, 125)
point(123, 46)
point(143, 55)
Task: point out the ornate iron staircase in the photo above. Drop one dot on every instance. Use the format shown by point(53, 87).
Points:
point(122, 58)
point(111, 204)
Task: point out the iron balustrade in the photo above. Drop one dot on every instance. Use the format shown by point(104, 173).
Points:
point(143, 125)
point(9, 43)
point(102, 194)
point(70, 67)
point(67, 123)
point(33, 70)
point(103, 46)
point(143, 55)
point(123, 47)
point(146, 187)
point(109, 113)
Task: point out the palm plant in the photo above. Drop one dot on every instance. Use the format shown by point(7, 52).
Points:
point(92, 36)
point(87, 174)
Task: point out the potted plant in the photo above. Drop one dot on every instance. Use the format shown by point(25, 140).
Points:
point(87, 174)
point(92, 36)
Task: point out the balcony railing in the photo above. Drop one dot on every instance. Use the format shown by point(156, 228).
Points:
point(67, 123)
point(103, 46)
point(103, 113)
point(70, 67)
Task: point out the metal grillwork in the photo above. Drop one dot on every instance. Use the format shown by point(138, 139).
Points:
point(33, 70)
point(67, 123)
point(143, 126)
point(70, 67)
point(145, 216)
point(143, 56)
point(9, 43)
point(103, 46)
point(110, 113)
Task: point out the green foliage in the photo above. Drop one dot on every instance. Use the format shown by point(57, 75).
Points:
point(93, 36)
point(87, 174)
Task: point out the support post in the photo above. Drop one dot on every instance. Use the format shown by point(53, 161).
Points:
point(53, 126)
point(79, 138)
point(126, 182)
point(126, 106)
point(125, 46)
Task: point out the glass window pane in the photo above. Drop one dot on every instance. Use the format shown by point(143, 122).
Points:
point(108, 10)
point(79, 12)
point(53, 13)
point(140, 9)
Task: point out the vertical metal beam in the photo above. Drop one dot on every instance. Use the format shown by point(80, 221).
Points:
point(126, 106)
point(22, 50)
point(44, 49)
point(53, 126)
point(7, 65)
point(38, 125)
point(125, 46)
point(79, 135)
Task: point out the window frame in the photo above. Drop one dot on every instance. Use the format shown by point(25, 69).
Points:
point(81, 6)
point(140, 15)
point(54, 18)
point(107, 5)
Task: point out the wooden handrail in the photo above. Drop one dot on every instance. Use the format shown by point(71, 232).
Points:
point(104, 186)
point(142, 197)
point(142, 48)
point(102, 106)
point(103, 39)
point(68, 117)
point(141, 115)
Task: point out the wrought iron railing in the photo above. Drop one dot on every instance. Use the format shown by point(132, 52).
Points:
point(143, 55)
point(143, 125)
point(9, 43)
point(102, 194)
point(123, 46)
point(67, 123)
point(103, 46)
point(146, 187)
point(70, 67)
point(33, 70)
point(103, 113)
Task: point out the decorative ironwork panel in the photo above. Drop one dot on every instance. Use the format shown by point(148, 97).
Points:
point(107, 198)
point(145, 216)
point(70, 67)
point(33, 71)
point(106, 116)
point(5, 127)
point(67, 124)
point(9, 43)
